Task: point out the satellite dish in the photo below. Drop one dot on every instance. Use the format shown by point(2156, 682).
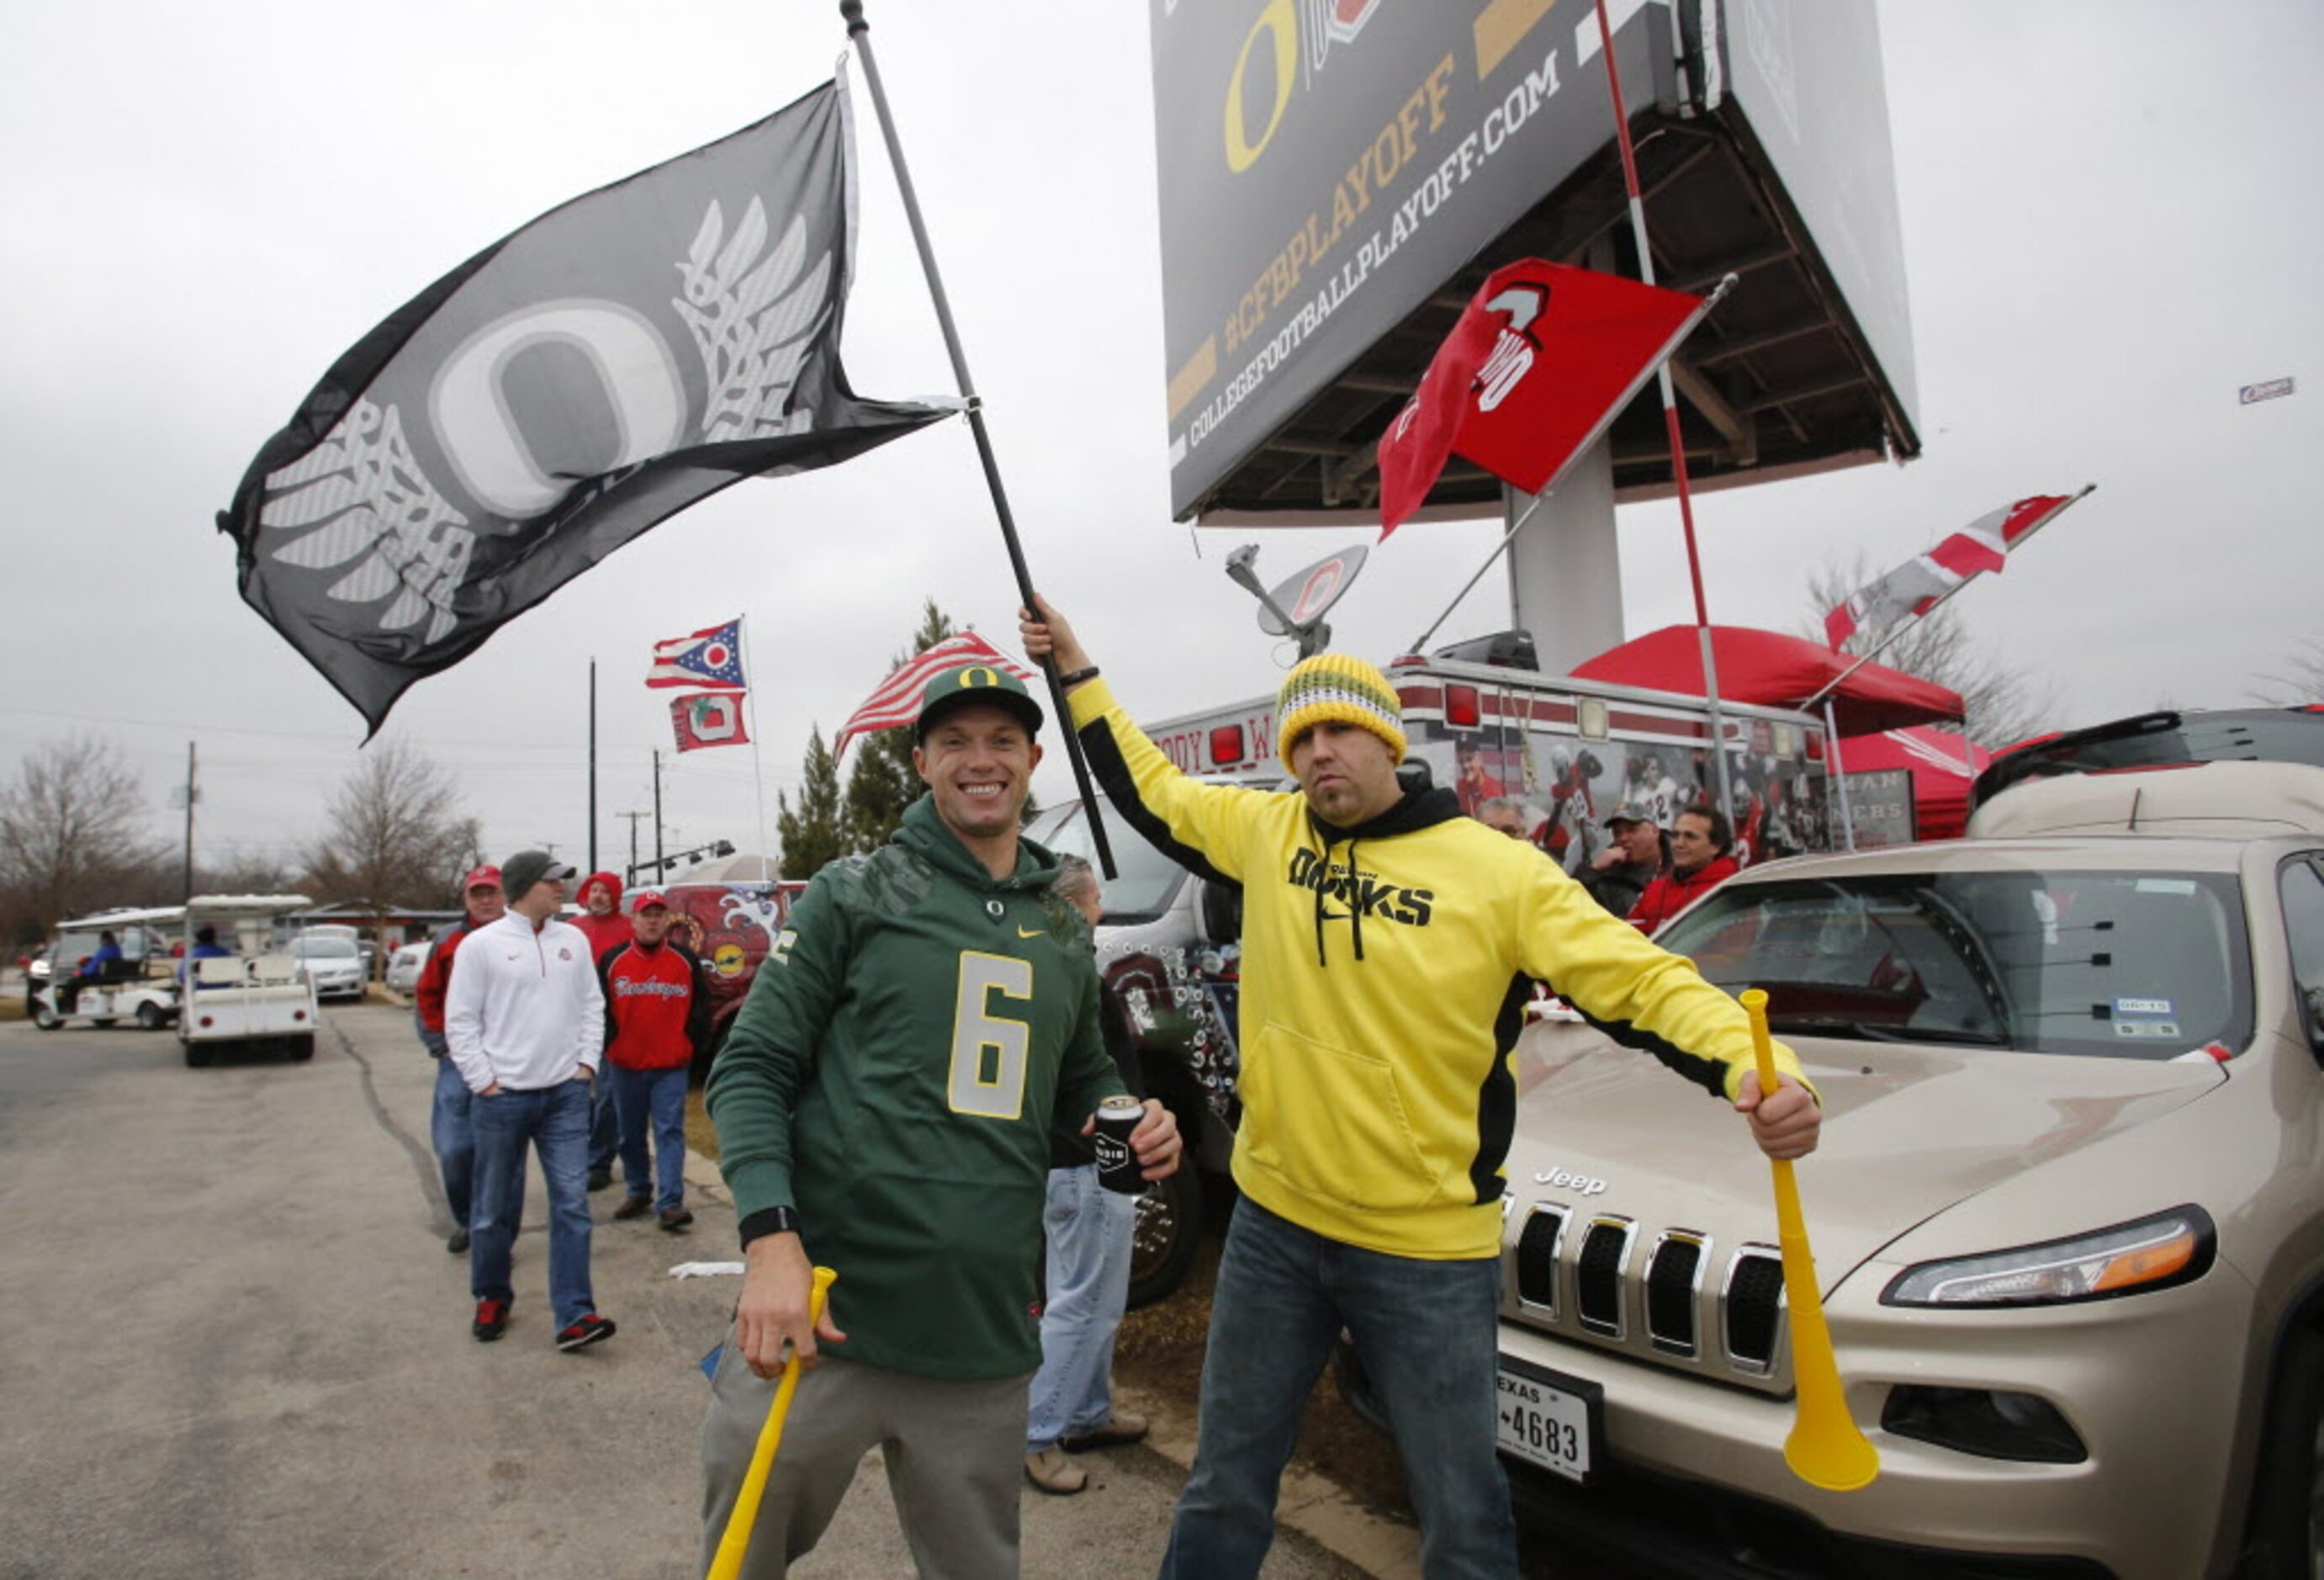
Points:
point(1297, 606)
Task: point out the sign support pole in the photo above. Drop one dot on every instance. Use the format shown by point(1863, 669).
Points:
point(859, 32)
point(1670, 417)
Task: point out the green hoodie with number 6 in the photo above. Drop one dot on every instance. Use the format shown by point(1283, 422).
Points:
point(917, 1031)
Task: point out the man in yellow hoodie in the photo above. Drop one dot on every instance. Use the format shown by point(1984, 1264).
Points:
point(1389, 946)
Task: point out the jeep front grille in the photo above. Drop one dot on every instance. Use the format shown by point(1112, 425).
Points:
point(1604, 1278)
point(1600, 1273)
point(1673, 1279)
point(1537, 1258)
point(1750, 1309)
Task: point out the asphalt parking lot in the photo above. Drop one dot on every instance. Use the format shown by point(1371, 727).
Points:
point(236, 1346)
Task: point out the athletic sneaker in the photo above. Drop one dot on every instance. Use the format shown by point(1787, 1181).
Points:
point(585, 1332)
point(492, 1317)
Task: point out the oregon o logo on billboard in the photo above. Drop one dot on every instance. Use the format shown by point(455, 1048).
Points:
point(1279, 22)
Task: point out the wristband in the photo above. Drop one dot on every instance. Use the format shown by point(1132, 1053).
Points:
point(784, 1220)
point(1077, 677)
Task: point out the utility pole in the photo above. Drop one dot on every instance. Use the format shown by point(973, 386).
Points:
point(631, 876)
point(656, 767)
point(191, 791)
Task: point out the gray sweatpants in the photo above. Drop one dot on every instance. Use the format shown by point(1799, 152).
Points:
point(955, 1453)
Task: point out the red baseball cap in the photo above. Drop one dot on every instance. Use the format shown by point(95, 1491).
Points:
point(484, 877)
point(646, 897)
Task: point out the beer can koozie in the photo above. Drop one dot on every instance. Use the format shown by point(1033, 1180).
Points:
point(1117, 1165)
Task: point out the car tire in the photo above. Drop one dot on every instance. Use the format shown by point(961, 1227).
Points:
point(152, 1017)
point(197, 1056)
point(2286, 1537)
point(301, 1048)
point(1168, 1229)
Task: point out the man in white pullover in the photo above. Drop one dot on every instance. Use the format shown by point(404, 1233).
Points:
point(526, 1022)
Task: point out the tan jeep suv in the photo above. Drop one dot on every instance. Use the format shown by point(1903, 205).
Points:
point(2068, 1212)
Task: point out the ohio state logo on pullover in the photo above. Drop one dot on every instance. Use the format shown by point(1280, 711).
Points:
point(657, 1005)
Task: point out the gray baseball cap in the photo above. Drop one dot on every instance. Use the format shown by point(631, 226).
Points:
point(1628, 812)
point(522, 871)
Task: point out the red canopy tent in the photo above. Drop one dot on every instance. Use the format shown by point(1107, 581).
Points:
point(1783, 672)
point(1941, 775)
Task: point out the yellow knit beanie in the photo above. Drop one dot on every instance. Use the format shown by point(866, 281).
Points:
point(1335, 687)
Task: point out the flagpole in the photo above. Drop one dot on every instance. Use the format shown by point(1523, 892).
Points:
point(1897, 633)
point(860, 32)
point(1839, 773)
point(1669, 414)
point(593, 765)
point(758, 780)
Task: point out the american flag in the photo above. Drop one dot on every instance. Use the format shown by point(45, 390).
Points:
point(897, 702)
point(1926, 580)
point(712, 657)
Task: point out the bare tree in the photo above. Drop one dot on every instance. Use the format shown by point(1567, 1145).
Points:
point(396, 836)
point(2301, 678)
point(2004, 706)
point(72, 834)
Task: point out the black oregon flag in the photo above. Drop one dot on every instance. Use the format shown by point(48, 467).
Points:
point(625, 355)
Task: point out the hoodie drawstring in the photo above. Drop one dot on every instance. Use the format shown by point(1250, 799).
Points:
point(1352, 900)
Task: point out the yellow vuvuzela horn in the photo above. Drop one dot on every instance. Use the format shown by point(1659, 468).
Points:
point(1824, 1449)
point(734, 1541)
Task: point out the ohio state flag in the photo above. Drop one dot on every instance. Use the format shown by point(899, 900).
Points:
point(1926, 580)
point(714, 718)
point(710, 657)
point(1543, 359)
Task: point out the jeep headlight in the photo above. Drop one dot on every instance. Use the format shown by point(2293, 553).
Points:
point(2170, 1248)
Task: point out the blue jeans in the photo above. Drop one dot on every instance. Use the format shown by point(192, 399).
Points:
point(451, 1130)
point(654, 1099)
point(1089, 1230)
point(555, 1120)
point(604, 1129)
point(1425, 1332)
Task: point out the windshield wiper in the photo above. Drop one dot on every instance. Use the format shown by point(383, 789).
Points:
point(1828, 1025)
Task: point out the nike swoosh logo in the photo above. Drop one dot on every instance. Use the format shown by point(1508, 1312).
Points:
point(1031, 932)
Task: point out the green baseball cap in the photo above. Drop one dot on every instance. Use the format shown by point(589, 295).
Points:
point(976, 683)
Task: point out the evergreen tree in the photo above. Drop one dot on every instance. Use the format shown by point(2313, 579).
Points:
point(814, 834)
point(883, 782)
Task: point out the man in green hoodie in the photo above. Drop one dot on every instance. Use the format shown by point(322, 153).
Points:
point(884, 1105)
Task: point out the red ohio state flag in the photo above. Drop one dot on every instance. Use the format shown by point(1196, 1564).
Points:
point(1542, 359)
point(709, 718)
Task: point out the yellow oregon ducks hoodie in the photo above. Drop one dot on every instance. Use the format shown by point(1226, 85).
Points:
point(1386, 969)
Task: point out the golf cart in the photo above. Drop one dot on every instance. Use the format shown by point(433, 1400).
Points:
point(251, 990)
point(137, 987)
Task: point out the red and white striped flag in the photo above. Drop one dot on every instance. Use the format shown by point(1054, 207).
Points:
point(1926, 580)
point(897, 702)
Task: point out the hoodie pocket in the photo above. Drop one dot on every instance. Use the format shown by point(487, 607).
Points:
point(1333, 1124)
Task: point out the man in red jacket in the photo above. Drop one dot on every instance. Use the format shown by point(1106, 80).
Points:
point(601, 921)
point(451, 1127)
point(1699, 843)
point(657, 1015)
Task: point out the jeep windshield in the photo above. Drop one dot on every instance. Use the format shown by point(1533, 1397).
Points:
point(1148, 878)
point(2121, 964)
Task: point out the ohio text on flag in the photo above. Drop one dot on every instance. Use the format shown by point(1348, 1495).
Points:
point(713, 718)
point(712, 657)
point(1926, 580)
point(1543, 359)
point(897, 702)
point(620, 358)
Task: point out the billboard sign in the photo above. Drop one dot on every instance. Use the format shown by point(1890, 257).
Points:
point(1811, 86)
point(1327, 165)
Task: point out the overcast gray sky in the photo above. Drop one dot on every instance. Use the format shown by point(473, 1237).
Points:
point(2108, 215)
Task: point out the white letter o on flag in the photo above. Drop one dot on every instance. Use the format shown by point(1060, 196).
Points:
point(473, 422)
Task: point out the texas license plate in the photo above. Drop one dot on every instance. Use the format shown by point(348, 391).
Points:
point(1549, 1420)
